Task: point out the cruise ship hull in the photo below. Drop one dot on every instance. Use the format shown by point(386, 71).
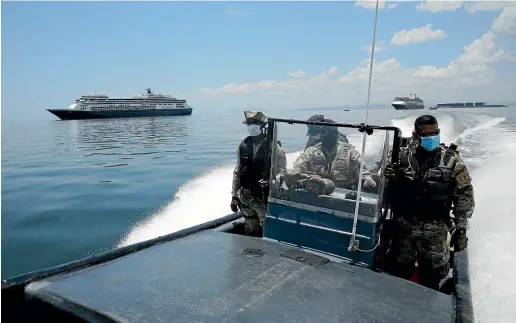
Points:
point(407, 106)
point(66, 114)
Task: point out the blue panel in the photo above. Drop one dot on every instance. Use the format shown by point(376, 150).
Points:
point(319, 231)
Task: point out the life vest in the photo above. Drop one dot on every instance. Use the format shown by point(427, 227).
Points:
point(252, 168)
point(425, 194)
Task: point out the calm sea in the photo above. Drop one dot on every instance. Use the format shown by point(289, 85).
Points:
point(75, 188)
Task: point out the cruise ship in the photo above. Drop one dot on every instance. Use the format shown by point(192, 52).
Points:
point(469, 105)
point(97, 106)
point(410, 102)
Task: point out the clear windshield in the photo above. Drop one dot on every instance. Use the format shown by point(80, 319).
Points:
point(323, 169)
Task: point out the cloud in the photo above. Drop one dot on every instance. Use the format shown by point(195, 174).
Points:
point(370, 4)
point(438, 6)
point(505, 23)
point(233, 11)
point(378, 47)
point(470, 75)
point(488, 6)
point(298, 73)
point(417, 35)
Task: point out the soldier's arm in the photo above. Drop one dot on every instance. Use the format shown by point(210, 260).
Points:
point(303, 162)
point(355, 164)
point(281, 162)
point(300, 170)
point(236, 175)
point(463, 195)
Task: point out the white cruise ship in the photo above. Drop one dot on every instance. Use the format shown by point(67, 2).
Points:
point(139, 105)
point(410, 102)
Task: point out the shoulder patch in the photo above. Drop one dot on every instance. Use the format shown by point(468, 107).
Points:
point(354, 154)
point(462, 177)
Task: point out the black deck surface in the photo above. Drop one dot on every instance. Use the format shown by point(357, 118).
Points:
point(206, 278)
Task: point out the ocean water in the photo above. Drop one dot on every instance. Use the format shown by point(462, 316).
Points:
point(75, 188)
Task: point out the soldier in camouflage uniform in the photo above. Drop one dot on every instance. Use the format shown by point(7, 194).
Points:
point(249, 192)
point(327, 164)
point(313, 135)
point(430, 178)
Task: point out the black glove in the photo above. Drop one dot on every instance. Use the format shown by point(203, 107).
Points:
point(459, 240)
point(235, 204)
point(390, 171)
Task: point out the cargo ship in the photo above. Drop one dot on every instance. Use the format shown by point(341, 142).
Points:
point(99, 106)
point(469, 105)
point(411, 102)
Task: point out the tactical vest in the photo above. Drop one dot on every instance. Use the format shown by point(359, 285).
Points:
point(252, 168)
point(425, 194)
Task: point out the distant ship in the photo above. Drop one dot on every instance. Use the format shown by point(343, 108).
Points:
point(410, 102)
point(98, 106)
point(469, 105)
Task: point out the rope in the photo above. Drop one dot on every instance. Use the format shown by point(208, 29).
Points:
point(351, 246)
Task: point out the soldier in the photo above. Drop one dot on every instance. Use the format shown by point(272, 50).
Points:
point(327, 164)
point(248, 189)
point(313, 136)
point(430, 178)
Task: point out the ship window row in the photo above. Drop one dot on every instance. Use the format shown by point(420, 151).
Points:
point(139, 101)
point(120, 108)
point(131, 104)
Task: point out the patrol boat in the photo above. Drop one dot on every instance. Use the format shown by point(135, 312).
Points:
point(321, 259)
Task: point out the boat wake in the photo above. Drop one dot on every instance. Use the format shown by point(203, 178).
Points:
point(485, 143)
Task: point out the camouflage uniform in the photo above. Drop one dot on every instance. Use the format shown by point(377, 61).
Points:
point(423, 231)
point(253, 206)
point(343, 168)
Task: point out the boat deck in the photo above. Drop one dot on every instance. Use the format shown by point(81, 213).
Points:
point(208, 277)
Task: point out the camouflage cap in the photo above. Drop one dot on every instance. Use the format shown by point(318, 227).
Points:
point(322, 130)
point(316, 118)
point(312, 129)
point(250, 116)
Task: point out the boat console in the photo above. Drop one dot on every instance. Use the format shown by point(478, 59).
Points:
point(324, 222)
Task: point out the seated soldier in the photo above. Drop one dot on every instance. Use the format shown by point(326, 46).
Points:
point(327, 164)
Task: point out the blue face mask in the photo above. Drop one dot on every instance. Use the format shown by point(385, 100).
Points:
point(431, 142)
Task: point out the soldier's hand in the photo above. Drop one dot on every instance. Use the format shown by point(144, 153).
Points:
point(460, 241)
point(369, 182)
point(263, 183)
point(235, 203)
point(390, 171)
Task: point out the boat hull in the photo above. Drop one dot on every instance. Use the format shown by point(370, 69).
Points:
point(242, 271)
point(65, 114)
point(407, 106)
point(471, 106)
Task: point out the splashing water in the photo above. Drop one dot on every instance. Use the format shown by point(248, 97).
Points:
point(200, 200)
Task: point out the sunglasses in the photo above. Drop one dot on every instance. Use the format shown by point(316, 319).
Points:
point(428, 134)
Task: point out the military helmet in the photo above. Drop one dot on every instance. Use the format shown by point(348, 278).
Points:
point(328, 131)
point(250, 117)
point(312, 129)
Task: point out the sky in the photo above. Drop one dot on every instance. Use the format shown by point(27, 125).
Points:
point(248, 55)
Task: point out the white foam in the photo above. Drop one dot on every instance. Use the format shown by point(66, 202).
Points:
point(200, 200)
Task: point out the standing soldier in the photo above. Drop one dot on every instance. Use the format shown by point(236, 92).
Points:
point(248, 191)
point(430, 179)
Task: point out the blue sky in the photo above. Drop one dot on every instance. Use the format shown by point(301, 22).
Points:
point(54, 52)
